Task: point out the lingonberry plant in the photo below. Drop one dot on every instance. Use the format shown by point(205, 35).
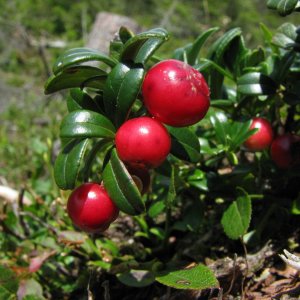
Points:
point(136, 111)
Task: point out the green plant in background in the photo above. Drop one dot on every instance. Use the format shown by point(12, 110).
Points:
point(210, 177)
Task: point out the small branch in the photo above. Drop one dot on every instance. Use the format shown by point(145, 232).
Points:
point(32, 216)
point(21, 207)
point(233, 275)
point(247, 267)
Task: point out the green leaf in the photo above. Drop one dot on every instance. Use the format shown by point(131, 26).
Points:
point(8, 283)
point(78, 76)
point(85, 123)
point(234, 55)
point(139, 48)
point(272, 4)
point(112, 88)
point(285, 35)
point(100, 145)
point(77, 56)
point(137, 278)
point(125, 34)
point(236, 218)
point(239, 133)
point(192, 50)
point(282, 66)
point(218, 48)
point(68, 162)
point(216, 54)
point(219, 122)
point(198, 180)
point(79, 100)
point(185, 144)
point(286, 7)
point(129, 90)
point(120, 92)
point(121, 187)
point(255, 83)
point(197, 278)
point(156, 208)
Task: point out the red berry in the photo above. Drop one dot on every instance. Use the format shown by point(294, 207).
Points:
point(262, 139)
point(91, 209)
point(175, 93)
point(285, 150)
point(143, 141)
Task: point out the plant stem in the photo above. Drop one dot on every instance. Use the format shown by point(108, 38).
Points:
point(247, 266)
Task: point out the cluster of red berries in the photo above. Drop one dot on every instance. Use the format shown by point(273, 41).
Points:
point(284, 149)
point(174, 94)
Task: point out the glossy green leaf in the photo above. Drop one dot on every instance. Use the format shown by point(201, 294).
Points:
point(115, 49)
point(185, 144)
point(218, 48)
point(68, 163)
point(216, 54)
point(255, 83)
point(282, 66)
point(286, 7)
point(121, 187)
point(125, 34)
point(8, 283)
point(197, 277)
point(139, 48)
point(254, 57)
point(128, 93)
point(272, 4)
point(78, 76)
point(192, 50)
point(78, 100)
point(85, 123)
point(77, 56)
point(100, 145)
point(121, 90)
point(234, 55)
point(236, 218)
point(112, 88)
point(239, 132)
point(198, 179)
point(285, 35)
point(219, 121)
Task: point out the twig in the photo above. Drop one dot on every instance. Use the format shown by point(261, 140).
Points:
point(105, 285)
point(32, 216)
point(247, 267)
point(233, 275)
point(21, 207)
